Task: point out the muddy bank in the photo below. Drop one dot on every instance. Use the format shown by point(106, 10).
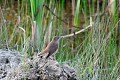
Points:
point(14, 67)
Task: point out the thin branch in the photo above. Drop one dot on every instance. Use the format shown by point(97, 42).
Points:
point(56, 15)
point(82, 30)
point(70, 35)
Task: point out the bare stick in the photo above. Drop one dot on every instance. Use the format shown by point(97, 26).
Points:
point(56, 15)
point(82, 30)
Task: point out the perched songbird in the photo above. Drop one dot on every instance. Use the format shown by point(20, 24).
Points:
point(51, 48)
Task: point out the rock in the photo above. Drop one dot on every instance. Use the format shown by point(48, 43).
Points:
point(8, 61)
point(69, 71)
point(36, 69)
point(53, 68)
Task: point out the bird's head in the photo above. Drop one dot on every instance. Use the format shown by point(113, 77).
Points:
point(56, 38)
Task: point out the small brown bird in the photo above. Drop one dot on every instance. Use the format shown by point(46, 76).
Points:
point(51, 48)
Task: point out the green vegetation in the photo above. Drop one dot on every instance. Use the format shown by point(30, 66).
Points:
point(95, 53)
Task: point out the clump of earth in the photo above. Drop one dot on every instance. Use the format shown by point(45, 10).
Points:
point(14, 66)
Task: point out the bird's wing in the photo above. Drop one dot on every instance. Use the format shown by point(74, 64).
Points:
point(53, 49)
